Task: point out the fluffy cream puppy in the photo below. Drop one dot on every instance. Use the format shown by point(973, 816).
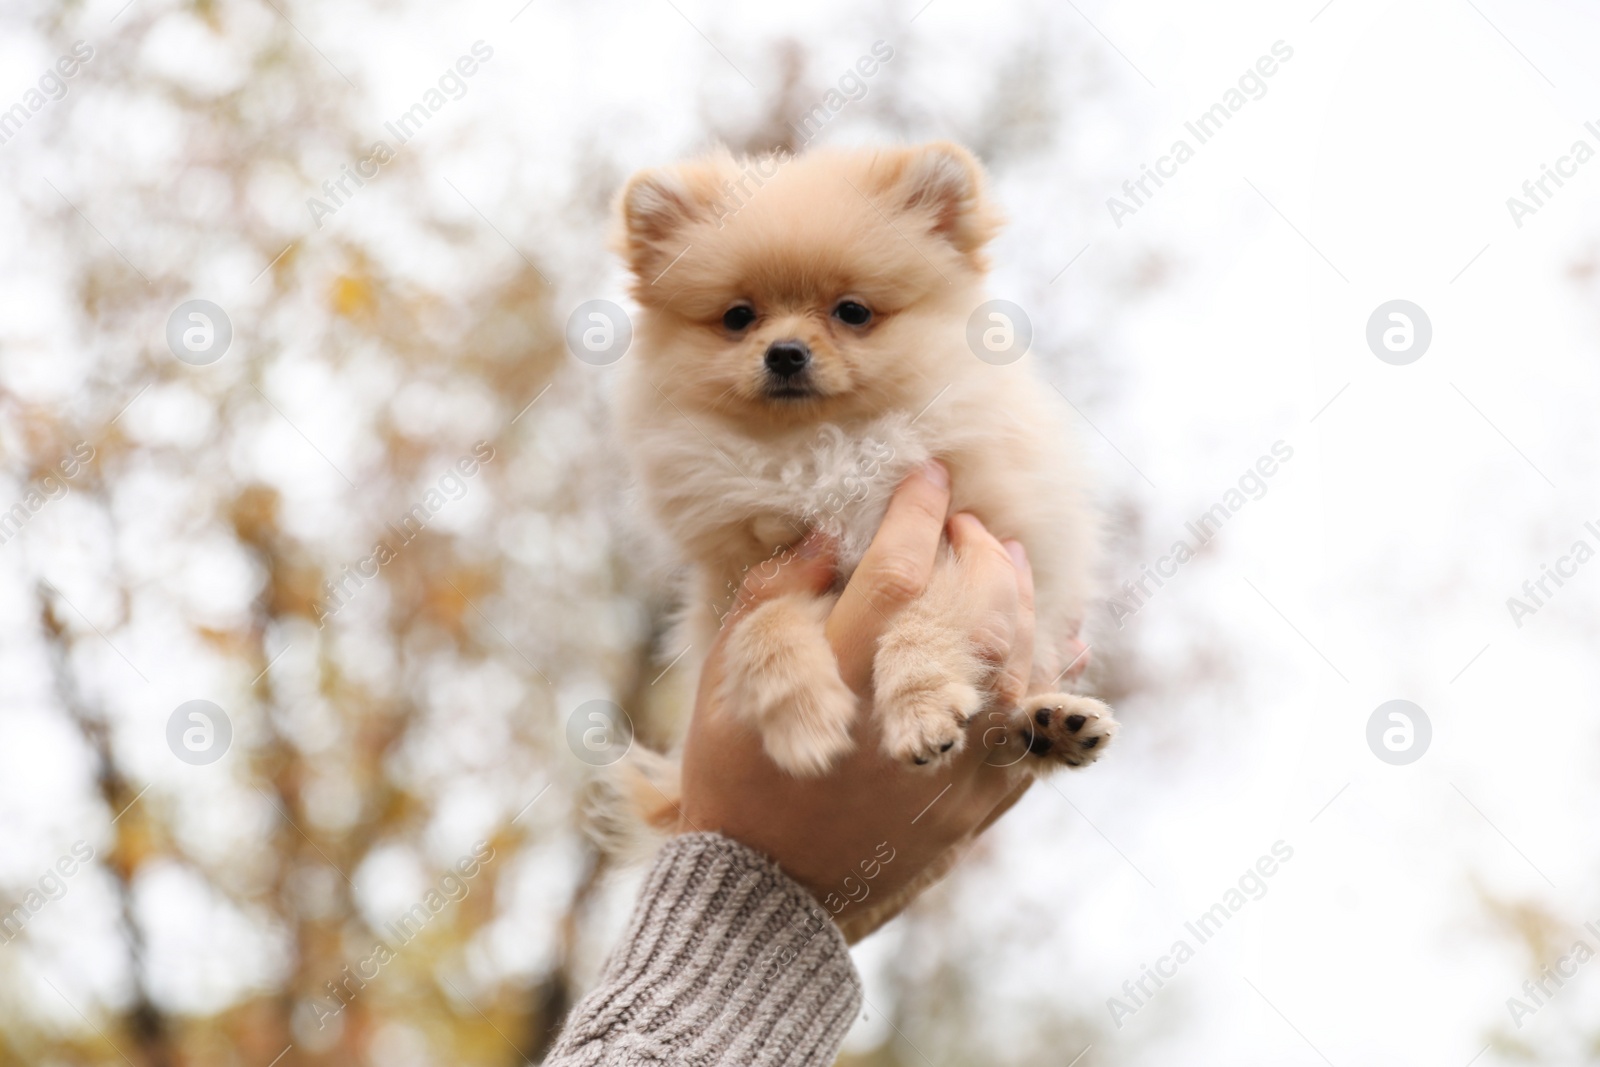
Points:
point(802, 344)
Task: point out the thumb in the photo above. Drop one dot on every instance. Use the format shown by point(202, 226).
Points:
point(808, 567)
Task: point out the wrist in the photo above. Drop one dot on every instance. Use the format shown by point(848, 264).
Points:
point(848, 894)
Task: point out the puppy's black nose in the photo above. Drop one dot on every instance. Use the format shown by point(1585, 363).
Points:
point(788, 358)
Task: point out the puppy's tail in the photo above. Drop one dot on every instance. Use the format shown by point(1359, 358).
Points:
point(634, 806)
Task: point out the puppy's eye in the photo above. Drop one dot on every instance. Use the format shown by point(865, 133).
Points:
point(852, 314)
point(738, 317)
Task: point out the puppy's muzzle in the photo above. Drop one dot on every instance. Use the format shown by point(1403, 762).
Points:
point(786, 360)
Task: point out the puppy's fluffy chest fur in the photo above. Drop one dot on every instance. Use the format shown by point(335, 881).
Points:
point(729, 499)
point(732, 500)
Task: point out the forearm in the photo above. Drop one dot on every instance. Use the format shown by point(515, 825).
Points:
point(726, 960)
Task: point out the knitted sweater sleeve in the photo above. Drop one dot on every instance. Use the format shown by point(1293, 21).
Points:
point(726, 960)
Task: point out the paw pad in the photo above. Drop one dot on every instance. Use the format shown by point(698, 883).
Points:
point(1064, 728)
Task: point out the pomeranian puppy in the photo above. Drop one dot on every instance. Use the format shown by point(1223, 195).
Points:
point(802, 345)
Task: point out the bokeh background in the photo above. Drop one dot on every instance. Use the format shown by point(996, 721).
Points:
point(371, 758)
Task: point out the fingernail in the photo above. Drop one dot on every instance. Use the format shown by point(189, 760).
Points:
point(1018, 554)
point(937, 473)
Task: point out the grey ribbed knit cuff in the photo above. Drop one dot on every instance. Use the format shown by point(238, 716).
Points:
point(727, 960)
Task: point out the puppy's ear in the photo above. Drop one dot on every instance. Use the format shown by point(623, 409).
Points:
point(942, 185)
point(657, 206)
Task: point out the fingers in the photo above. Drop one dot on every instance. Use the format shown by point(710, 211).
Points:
point(897, 564)
point(1012, 685)
point(1000, 787)
point(1076, 655)
point(894, 571)
point(1000, 582)
point(1001, 621)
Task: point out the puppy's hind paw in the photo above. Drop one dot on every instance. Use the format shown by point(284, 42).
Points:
point(1065, 728)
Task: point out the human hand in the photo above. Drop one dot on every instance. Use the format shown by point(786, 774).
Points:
point(872, 832)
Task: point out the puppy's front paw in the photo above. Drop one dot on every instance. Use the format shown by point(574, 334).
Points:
point(812, 729)
point(1065, 728)
point(783, 678)
point(927, 726)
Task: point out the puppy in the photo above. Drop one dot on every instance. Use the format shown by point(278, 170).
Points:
point(801, 346)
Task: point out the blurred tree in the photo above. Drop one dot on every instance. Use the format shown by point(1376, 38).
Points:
point(228, 505)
